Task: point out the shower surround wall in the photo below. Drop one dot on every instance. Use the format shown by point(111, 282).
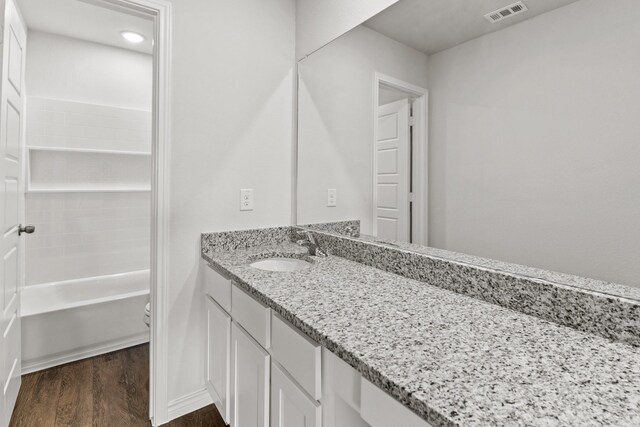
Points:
point(91, 213)
point(88, 195)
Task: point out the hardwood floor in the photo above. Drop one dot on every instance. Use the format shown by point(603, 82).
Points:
point(111, 390)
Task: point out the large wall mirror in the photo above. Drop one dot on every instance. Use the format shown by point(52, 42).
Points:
point(504, 130)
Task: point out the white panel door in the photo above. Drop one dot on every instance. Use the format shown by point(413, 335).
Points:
point(250, 385)
point(393, 170)
point(290, 406)
point(218, 369)
point(12, 199)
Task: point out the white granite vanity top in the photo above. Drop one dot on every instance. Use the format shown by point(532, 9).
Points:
point(453, 359)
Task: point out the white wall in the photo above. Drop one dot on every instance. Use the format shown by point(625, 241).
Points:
point(60, 67)
point(319, 22)
point(232, 109)
point(535, 143)
point(335, 147)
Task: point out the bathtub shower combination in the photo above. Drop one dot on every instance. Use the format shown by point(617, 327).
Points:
point(78, 318)
point(87, 266)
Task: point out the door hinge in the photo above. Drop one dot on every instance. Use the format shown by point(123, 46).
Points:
point(412, 121)
point(412, 197)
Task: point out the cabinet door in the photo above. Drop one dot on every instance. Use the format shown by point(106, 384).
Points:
point(290, 406)
point(218, 369)
point(250, 386)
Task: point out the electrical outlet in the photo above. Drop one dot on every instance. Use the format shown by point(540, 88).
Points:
point(246, 199)
point(332, 197)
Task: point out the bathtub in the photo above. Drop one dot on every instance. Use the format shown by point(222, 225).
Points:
point(74, 319)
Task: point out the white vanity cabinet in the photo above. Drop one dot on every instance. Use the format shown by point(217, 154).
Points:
point(262, 371)
point(246, 387)
point(250, 364)
point(218, 357)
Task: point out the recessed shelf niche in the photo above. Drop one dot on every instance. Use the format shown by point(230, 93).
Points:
point(61, 170)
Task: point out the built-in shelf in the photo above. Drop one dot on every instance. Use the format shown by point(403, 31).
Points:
point(87, 170)
point(87, 190)
point(91, 150)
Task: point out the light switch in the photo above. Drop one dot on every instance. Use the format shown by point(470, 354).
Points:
point(332, 197)
point(246, 199)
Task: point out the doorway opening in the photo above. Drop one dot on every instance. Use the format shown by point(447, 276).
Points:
point(88, 161)
point(399, 161)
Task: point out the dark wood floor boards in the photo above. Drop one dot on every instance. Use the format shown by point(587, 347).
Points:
point(75, 401)
point(136, 379)
point(110, 406)
point(40, 408)
point(110, 390)
point(206, 417)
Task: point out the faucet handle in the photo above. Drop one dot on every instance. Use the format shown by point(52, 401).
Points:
point(321, 253)
point(311, 238)
point(350, 230)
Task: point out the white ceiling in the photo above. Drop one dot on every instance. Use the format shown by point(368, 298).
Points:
point(431, 26)
point(75, 18)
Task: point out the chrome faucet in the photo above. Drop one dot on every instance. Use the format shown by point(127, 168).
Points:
point(351, 231)
point(310, 243)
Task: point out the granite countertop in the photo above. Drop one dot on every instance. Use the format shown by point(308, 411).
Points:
point(454, 360)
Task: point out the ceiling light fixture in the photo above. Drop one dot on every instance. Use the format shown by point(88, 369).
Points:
point(132, 37)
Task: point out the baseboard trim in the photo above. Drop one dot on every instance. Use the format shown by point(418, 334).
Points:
point(189, 403)
point(83, 353)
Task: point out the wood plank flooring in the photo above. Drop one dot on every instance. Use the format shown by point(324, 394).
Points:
point(111, 390)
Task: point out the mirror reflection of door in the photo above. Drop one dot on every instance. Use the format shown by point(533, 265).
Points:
point(393, 169)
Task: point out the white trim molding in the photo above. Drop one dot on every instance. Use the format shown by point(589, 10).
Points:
point(189, 403)
point(160, 12)
point(420, 95)
point(83, 353)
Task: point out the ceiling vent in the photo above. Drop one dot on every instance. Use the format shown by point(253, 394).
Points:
point(506, 12)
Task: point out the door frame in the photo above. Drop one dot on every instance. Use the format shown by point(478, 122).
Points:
point(160, 12)
point(419, 218)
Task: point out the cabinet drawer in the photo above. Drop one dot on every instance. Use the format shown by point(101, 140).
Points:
point(379, 409)
point(252, 315)
point(217, 287)
point(340, 379)
point(299, 355)
point(291, 406)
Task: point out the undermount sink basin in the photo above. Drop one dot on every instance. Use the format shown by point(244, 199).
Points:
point(281, 264)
